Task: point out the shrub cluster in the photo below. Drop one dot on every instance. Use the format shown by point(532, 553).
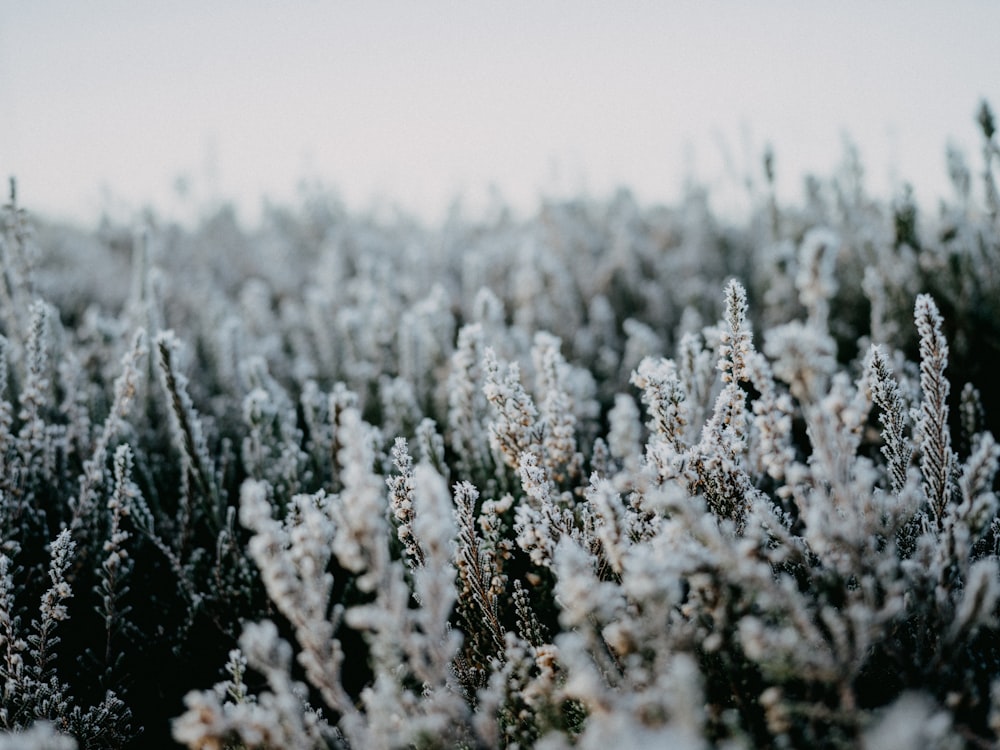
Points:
point(608, 474)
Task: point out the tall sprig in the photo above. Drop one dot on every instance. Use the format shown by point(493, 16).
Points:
point(936, 458)
point(885, 392)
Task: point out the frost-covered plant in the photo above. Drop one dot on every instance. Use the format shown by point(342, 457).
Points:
point(33, 689)
point(734, 593)
point(506, 483)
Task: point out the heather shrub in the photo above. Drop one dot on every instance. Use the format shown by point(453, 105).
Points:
point(608, 473)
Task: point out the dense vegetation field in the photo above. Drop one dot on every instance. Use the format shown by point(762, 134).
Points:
point(613, 473)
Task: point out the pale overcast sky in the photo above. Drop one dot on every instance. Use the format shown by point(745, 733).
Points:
point(418, 101)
